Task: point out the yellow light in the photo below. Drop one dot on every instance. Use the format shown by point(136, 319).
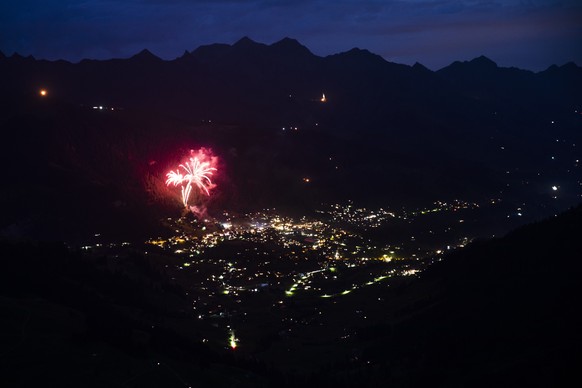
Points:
point(232, 340)
point(43, 92)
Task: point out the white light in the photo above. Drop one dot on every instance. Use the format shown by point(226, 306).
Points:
point(555, 188)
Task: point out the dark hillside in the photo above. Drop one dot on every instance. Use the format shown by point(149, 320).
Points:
point(500, 312)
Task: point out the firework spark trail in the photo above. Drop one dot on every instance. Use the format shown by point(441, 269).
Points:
point(196, 173)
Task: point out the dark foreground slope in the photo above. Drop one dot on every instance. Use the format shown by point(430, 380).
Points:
point(72, 320)
point(498, 313)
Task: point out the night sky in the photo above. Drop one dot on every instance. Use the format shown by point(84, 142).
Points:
point(529, 34)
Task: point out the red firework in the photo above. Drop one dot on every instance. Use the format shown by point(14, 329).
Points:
point(194, 173)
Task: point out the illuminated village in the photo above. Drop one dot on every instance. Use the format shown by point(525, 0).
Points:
point(237, 268)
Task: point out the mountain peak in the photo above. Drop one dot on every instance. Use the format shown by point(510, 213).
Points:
point(185, 56)
point(245, 41)
point(570, 66)
point(358, 55)
point(478, 64)
point(420, 67)
point(20, 57)
point(483, 61)
point(287, 42)
point(145, 54)
point(356, 52)
point(291, 45)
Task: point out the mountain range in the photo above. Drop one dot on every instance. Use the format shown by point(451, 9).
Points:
point(106, 132)
point(281, 85)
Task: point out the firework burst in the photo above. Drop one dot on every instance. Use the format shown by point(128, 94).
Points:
point(194, 173)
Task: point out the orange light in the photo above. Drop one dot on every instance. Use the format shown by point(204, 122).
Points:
point(43, 92)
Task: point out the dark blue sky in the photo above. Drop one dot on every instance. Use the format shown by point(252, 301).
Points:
point(530, 34)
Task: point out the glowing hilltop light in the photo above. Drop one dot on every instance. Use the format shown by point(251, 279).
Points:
point(232, 340)
point(43, 92)
point(195, 172)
